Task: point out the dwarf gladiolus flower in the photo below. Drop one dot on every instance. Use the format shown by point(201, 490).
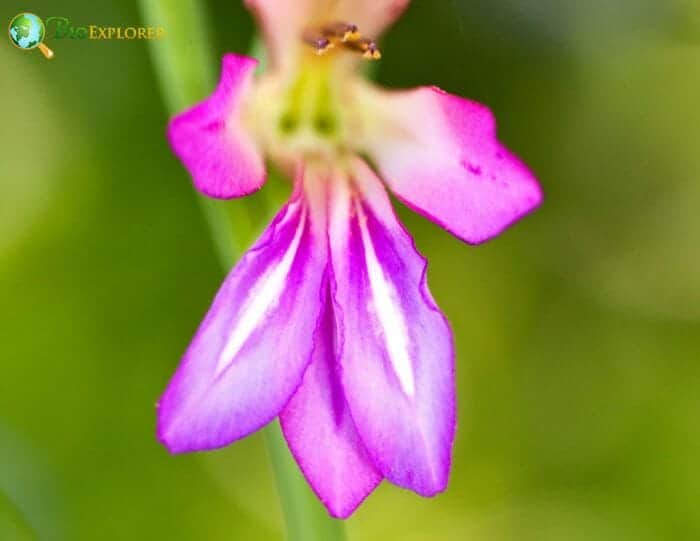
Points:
point(327, 322)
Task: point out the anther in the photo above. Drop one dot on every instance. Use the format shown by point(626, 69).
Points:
point(367, 47)
point(320, 44)
point(345, 34)
point(342, 31)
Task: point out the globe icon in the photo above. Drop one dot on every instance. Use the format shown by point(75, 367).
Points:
point(27, 31)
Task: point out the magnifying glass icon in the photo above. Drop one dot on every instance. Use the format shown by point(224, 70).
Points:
point(27, 31)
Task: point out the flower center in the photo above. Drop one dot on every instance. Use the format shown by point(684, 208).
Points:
point(311, 104)
point(311, 111)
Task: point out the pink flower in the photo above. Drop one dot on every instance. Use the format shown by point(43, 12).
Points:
point(327, 322)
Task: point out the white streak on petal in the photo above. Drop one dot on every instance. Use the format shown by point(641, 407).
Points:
point(262, 298)
point(388, 310)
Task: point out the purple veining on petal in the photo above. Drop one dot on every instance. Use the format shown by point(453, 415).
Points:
point(221, 157)
point(408, 428)
point(475, 169)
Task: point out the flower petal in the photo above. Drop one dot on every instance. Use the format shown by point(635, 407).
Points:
point(249, 355)
point(397, 358)
point(440, 155)
point(321, 434)
point(222, 159)
point(283, 21)
point(372, 17)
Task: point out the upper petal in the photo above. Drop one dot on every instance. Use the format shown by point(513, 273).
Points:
point(284, 21)
point(372, 17)
point(440, 155)
point(211, 142)
point(251, 350)
point(321, 433)
point(397, 359)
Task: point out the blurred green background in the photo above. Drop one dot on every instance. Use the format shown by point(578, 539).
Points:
point(578, 331)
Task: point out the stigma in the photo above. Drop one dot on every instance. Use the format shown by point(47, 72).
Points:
point(343, 35)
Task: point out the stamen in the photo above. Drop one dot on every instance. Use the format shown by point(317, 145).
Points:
point(342, 31)
point(367, 47)
point(320, 44)
point(339, 33)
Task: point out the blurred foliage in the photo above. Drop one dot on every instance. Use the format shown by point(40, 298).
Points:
point(577, 331)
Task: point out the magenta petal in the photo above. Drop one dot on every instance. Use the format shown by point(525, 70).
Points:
point(209, 139)
point(440, 155)
point(249, 355)
point(321, 434)
point(395, 346)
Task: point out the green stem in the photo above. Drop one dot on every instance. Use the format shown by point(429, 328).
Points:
point(305, 517)
point(12, 524)
point(186, 74)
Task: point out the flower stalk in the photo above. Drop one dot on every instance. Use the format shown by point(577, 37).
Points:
point(185, 71)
